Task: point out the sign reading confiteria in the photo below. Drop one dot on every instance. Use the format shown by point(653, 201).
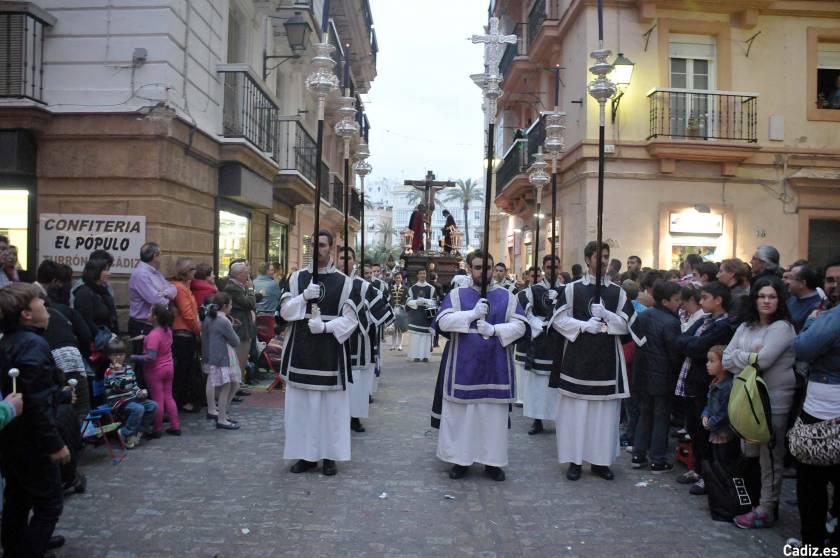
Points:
point(70, 238)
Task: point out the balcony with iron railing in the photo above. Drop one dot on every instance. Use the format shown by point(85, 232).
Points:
point(22, 50)
point(337, 193)
point(701, 125)
point(355, 205)
point(325, 182)
point(543, 31)
point(536, 17)
point(513, 51)
point(703, 115)
point(248, 112)
point(296, 149)
point(518, 158)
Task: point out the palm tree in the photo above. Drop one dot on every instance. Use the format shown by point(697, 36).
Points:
point(387, 231)
point(466, 192)
point(416, 196)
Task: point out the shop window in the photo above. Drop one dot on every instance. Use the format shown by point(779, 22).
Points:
point(822, 240)
point(233, 239)
point(278, 243)
point(14, 221)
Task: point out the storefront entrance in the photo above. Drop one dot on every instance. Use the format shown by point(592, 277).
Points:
point(232, 240)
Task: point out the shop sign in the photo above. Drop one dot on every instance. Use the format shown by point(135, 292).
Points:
point(69, 238)
point(693, 222)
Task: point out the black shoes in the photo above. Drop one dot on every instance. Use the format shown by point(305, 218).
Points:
point(302, 466)
point(329, 468)
point(229, 426)
point(56, 541)
point(536, 427)
point(425, 360)
point(494, 473)
point(458, 472)
point(151, 435)
point(603, 471)
point(208, 416)
point(173, 431)
point(573, 472)
point(356, 425)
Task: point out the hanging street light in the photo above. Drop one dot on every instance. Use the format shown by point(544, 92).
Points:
point(362, 169)
point(621, 75)
point(346, 128)
point(538, 179)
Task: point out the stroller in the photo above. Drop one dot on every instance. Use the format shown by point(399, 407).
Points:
point(272, 355)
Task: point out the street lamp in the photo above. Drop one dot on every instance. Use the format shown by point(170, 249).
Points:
point(297, 33)
point(538, 179)
point(621, 75)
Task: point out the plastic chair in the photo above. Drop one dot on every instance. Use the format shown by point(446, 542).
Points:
point(98, 426)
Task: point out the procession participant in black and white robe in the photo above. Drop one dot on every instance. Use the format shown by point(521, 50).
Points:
point(371, 272)
point(316, 363)
point(372, 311)
point(540, 401)
point(399, 296)
point(476, 384)
point(520, 353)
point(500, 277)
point(589, 371)
point(421, 297)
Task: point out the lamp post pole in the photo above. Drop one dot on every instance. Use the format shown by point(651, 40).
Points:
point(601, 89)
point(538, 179)
point(320, 83)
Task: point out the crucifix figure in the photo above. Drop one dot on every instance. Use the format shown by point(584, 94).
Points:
point(429, 186)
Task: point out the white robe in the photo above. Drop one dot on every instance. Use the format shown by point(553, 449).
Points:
point(587, 429)
point(317, 422)
point(540, 401)
point(520, 381)
point(475, 432)
point(360, 390)
point(419, 345)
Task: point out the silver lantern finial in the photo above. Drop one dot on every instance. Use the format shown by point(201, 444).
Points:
point(322, 81)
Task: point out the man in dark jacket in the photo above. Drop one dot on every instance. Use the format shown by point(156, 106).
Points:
point(655, 367)
point(32, 447)
point(693, 382)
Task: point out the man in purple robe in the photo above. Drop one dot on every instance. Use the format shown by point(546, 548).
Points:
point(476, 385)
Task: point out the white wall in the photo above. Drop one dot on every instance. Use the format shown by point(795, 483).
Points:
point(88, 56)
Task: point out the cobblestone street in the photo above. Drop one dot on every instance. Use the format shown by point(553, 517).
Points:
point(229, 494)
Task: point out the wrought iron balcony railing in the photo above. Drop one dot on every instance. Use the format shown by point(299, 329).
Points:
point(296, 149)
point(325, 182)
point(337, 193)
point(536, 17)
point(249, 111)
point(703, 115)
point(513, 50)
point(514, 162)
point(21, 55)
point(355, 205)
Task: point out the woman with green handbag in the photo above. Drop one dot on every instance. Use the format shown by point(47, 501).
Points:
point(767, 331)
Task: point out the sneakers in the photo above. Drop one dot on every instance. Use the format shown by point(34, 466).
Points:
point(638, 461)
point(689, 477)
point(662, 467)
point(756, 519)
point(698, 488)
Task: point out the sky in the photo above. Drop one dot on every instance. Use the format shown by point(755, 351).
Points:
point(424, 110)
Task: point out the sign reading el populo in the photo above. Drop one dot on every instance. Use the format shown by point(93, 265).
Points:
point(69, 238)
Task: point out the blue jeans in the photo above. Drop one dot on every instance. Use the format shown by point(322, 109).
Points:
point(654, 420)
point(140, 414)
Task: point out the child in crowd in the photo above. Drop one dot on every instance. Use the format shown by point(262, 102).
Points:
point(122, 390)
point(691, 311)
point(725, 446)
point(655, 369)
point(218, 344)
point(159, 370)
point(715, 328)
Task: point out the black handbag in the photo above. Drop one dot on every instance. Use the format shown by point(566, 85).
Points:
point(732, 488)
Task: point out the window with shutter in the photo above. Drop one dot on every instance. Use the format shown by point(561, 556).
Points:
point(21, 55)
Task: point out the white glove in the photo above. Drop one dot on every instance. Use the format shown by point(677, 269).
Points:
point(485, 329)
point(593, 325)
point(598, 311)
point(317, 325)
point(552, 295)
point(312, 292)
point(481, 309)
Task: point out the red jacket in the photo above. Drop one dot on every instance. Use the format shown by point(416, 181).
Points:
point(201, 289)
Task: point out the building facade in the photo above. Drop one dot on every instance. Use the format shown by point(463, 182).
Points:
point(186, 122)
point(725, 138)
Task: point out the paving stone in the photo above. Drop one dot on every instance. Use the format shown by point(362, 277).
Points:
point(193, 495)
